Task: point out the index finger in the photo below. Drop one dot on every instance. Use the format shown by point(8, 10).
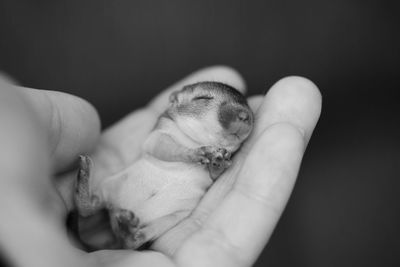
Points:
point(243, 223)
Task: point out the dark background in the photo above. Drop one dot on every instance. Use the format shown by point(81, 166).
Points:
point(119, 54)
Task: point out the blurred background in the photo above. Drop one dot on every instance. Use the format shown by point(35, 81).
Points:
point(118, 54)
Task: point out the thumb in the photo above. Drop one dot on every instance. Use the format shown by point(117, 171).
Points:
point(30, 234)
point(72, 124)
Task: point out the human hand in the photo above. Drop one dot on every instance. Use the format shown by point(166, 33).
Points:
point(230, 226)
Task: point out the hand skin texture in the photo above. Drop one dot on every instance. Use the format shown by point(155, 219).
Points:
point(43, 132)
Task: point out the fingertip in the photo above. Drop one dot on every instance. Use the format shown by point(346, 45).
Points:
point(224, 74)
point(83, 111)
point(292, 99)
point(298, 89)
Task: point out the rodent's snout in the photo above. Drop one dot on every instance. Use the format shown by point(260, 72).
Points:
point(243, 116)
point(236, 120)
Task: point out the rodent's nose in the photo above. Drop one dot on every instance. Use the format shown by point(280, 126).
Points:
point(243, 116)
point(236, 120)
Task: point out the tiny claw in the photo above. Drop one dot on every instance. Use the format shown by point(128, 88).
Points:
point(204, 161)
point(201, 152)
point(227, 155)
point(85, 162)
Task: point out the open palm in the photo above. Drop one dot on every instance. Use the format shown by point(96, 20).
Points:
point(236, 217)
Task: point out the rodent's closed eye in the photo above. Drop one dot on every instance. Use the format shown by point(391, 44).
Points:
point(204, 97)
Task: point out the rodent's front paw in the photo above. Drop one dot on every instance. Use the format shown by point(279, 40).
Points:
point(218, 157)
point(220, 161)
point(200, 156)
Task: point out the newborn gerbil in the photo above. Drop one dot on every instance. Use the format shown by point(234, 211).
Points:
point(190, 146)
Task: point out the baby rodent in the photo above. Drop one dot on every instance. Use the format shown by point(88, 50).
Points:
point(190, 146)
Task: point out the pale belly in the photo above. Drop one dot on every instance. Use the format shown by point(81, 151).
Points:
point(152, 188)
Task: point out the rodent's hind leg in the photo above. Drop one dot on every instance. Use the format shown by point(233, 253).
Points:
point(158, 227)
point(126, 228)
point(131, 233)
point(86, 202)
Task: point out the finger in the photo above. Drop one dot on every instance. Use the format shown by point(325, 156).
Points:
point(220, 74)
point(242, 224)
point(21, 135)
point(72, 124)
point(292, 99)
point(255, 102)
point(244, 221)
point(295, 100)
point(122, 142)
point(30, 233)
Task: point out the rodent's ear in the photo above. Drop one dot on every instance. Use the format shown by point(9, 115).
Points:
point(173, 97)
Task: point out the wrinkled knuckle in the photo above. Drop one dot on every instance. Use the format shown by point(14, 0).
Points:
point(288, 133)
point(256, 195)
point(218, 242)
